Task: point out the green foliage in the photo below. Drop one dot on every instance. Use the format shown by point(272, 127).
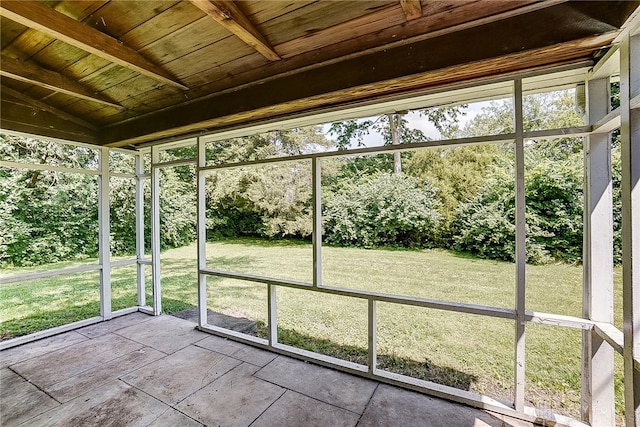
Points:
point(49, 216)
point(485, 226)
point(46, 216)
point(177, 207)
point(348, 132)
point(123, 216)
point(554, 203)
point(454, 196)
point(381, 210)
point(457, 174)
point(269, 200)
point(616, 171)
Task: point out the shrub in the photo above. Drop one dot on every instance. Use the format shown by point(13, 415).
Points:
point(485, 226)
point(379, 210)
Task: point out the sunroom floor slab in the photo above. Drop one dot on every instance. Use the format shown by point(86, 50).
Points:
point(139, 370)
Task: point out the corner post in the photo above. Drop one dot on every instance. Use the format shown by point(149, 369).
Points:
point(155, 231)
point(202, 232)
point(104, 237)
point(521, 253)
point(140, 230)
point(630, 153)
point(597, 356)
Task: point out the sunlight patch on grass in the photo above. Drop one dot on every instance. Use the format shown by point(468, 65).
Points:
point(341, 320)
point(237, 298)
point(460, 350)
point(455, 349)
point(553, 368)
point(431, 273)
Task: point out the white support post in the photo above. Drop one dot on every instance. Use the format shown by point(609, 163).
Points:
point(373, 336)
point(597, 355)
point(316, 178)
point(202, 233)
point(104, 238)
point(630, 151)
point(155, 231)
point(142, 300)
point(272, 315)
point(520, 250)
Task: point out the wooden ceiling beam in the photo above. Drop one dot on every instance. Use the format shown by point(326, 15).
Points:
point(227, 14)
point(412, 9)
point(382, 72)
point(39, 105)
point(36, 15)
point(20, 116)
point(30, 73)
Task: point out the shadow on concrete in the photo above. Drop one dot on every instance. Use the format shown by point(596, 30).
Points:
point(238, 324)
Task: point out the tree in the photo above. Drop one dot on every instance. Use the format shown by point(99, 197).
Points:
point(484, 225)
point(49, 216)
point(394, 130)
point(394, 124)
point(46, 216)
point(457, 174)
point(272, 200)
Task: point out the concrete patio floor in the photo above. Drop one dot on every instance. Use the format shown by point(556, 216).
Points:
point(141, 370)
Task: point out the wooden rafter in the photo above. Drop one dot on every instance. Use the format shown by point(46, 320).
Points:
point(228, 14)
point(27, 100)
point(412, 9)
point(30, 73)
point(393, 69)
point(36, 15)
point(21, 116)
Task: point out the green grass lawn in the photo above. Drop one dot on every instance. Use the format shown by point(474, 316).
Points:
point(465, 351)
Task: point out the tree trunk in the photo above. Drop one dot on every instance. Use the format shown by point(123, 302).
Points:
point(395, 140)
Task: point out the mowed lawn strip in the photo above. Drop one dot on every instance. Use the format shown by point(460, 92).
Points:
point(465, 351)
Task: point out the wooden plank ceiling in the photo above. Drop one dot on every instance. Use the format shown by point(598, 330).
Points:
point(122, 73)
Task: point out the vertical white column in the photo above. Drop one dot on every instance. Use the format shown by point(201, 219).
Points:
point(155, 231)
point(520, 249)
point(630, 151)
point(140, 229)
point(104, 237)
point(272, 315)
point(597, 356)
point(373, 336)
point(202, 232)
point(316, 191)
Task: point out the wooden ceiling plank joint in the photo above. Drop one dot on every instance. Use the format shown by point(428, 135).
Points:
point(412, 9)
point(30, 73)
point(227, 14)
point(35, 15)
